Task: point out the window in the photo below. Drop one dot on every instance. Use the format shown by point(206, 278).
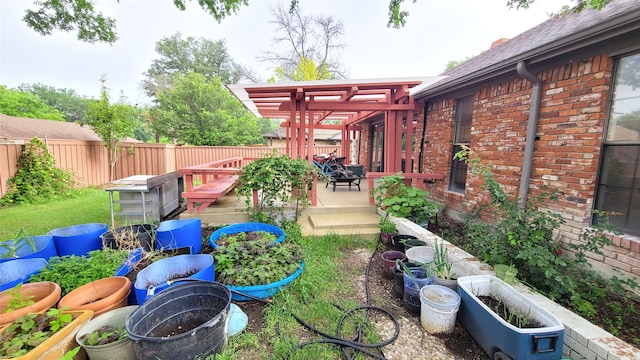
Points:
point(619, 183)
point(461, 136)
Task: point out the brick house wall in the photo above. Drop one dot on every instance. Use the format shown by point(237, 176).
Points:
point(572, 116)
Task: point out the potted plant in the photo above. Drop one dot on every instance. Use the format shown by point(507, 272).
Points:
point(387, 229)
point(24, 246)
point(246, 230)
point(516, 328)
point(445, 271)
point(99, 296)
point(65, 270)
point(105, 337)
point(397, 199)
point(27, 298)
point(45, 335)
point(258, 268)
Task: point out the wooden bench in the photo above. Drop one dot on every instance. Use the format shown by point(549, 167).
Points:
point(218, 179)
point(208, 193)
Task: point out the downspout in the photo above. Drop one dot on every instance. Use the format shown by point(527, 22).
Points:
point(531, 131)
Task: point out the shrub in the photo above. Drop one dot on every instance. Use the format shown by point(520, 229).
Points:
point(523, 236)
point(37, 178)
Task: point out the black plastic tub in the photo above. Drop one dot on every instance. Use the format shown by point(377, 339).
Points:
point(186, 321)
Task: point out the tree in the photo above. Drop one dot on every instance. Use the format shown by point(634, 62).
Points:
point(24, 104)
point(398, 17)
point(311, 42)
point(203, 56)
point(112, 122)
point(455, 63)
point(199, 111)
point(92, 26)
point(67, 101)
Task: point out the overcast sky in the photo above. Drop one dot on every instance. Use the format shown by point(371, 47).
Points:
point(437, 32)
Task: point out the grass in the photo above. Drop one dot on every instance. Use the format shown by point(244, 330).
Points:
point(83, 206)
point(320, 297)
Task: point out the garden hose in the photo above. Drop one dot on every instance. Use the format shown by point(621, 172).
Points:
point(356, 345)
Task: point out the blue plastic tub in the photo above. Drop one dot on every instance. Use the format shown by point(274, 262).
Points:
point(263, 291)
point(156, 275)
point(45, 248)
point(494, 334)
point(174, 234)
point(132, 260)
point(78, 239)
point(19, 271)
point(246, 227)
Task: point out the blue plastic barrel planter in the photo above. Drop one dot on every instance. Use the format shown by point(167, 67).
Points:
point(175, 234)
point(153, 279)
point(263, 291)
point(45, 248)
point(413, 282)
point(78, 239)
point(132, 260)
point(19, 271)
point(246, 227)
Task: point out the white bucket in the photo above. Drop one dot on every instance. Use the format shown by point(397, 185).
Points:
point(420, 254)
point(438, 309)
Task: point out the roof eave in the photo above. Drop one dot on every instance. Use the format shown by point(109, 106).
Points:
point(616, 26)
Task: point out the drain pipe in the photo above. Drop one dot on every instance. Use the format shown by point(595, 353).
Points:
point(531, 131)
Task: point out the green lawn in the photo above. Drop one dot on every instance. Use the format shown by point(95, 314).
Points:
point(83, 206)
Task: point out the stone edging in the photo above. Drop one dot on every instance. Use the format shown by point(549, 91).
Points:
point(582, 339)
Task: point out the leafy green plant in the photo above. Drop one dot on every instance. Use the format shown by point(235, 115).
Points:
point(12, 247)
point(257, 262)
point(104, 335)
point(524, 237)
point(71, 272)
point(441, 263)
point(37, 177)
point(280, 181)
point(404, 201)
point(31, 330)
point(387, 226)
point(18, 300)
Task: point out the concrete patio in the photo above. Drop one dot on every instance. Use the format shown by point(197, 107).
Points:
point(343, 211)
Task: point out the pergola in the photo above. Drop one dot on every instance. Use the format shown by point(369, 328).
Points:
point(338, 104)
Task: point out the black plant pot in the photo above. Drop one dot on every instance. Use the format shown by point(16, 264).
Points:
point(398, 241)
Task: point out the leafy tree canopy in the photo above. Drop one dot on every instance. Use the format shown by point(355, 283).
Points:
point(199, 55)
point(199, 111)
point(92, 26)
point(67, 101)
point(23, 104)
point(112, 122)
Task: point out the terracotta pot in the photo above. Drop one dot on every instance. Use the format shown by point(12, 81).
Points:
point(100, 295)
point(44, 294)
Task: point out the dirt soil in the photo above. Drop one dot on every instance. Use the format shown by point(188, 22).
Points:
point(413, 341)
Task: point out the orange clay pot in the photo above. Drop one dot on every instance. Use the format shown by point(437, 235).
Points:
point(100, 295)
point(44, 295)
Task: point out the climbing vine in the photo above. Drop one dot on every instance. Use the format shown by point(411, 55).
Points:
point(37, 177)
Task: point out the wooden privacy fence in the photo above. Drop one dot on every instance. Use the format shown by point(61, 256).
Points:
point(88, 160)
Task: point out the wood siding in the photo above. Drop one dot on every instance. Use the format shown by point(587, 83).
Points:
point(88, 160)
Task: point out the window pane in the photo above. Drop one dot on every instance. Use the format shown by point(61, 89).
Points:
point(624, 122)
point(458, 173)
point(464, 113)
point(619, 189)
point(619, 166)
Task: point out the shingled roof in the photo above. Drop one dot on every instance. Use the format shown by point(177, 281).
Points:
point(557, 36)
point(18, 128)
